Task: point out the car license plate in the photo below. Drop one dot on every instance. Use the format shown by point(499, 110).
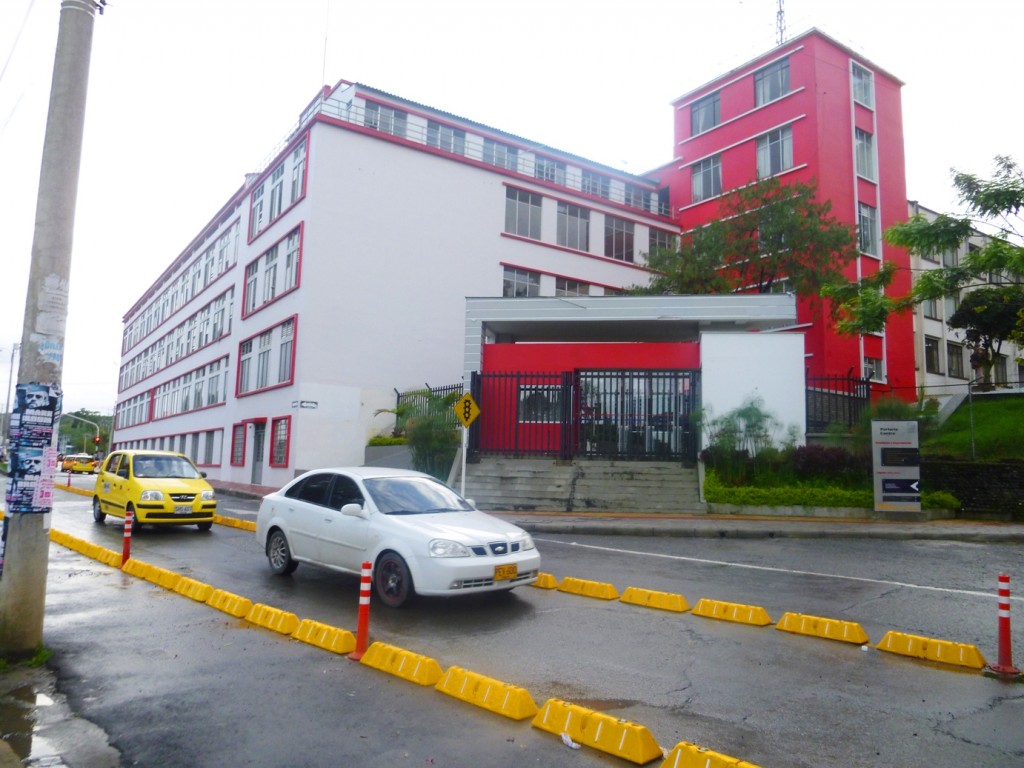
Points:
point(182, 509)
point(505, 572)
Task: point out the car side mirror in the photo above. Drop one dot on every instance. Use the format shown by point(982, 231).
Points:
point(471, 503)
point(355, 510)
point(202, 475)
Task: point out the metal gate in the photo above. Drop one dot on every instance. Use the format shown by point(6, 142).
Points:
point(621, 414)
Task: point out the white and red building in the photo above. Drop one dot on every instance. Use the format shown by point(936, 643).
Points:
point(340, 272)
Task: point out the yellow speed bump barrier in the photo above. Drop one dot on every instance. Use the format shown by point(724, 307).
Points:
point(232, 604)
point(109, 557)
point(135, 567)
point(665, 601)
point(196, 590)
point(743, 614)
point(945, 651)
point(595, 729)
point(407, 665)
point(596, 589)
point(545, 581)
point(830, 629)
point(235, 522)
point(333, 639)
point(273, 618)
point(162, 577)
point(493, 695)
point(686, 755)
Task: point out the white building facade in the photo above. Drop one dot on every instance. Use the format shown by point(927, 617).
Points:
point(942, 355)
point(338, 275)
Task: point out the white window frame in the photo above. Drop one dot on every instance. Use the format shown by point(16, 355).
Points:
point(706, 178)
point(775, 152)
point(864, 148)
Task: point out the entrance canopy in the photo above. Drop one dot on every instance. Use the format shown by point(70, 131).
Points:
point(617, 318)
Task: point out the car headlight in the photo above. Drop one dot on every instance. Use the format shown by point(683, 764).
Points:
point(446, 548)
point(526, 543)
point(207, 495)
point(152, 496)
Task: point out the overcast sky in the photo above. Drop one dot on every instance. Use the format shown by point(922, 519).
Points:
point(186, 97)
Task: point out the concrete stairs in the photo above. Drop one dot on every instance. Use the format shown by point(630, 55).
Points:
point(582, 485)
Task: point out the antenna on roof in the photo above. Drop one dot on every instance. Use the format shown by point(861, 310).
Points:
point(780, 24)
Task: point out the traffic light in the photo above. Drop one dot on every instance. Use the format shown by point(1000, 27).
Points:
point(96, 439)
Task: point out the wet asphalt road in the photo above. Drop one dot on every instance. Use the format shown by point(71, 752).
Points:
point(177, 683)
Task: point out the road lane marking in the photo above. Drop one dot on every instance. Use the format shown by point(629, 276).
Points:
point(791, 571)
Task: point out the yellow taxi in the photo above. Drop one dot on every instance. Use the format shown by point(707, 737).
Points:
point(160, 487)
point(79, 462)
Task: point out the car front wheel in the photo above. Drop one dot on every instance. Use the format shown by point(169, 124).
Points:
point(280, 554)
point(392, 580)
point(97, 512)
point(204, 526)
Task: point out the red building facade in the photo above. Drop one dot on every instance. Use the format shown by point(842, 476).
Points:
point(810, 109)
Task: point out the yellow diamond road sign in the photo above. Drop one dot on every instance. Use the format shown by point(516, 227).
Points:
point(466, 409)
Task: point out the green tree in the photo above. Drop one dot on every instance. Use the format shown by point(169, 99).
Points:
point(987, 317)
point(992, 206)
point(429, 423)
point(767, 234)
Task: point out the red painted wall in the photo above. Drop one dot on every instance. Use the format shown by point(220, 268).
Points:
point(568, 356)
point(820, 110)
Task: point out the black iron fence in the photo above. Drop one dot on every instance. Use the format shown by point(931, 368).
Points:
point(424, 399)
point(626, 414)
point(835, 400)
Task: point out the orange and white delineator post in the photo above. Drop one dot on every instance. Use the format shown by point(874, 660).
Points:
point(1005, 666)
point(126, 550)
point(363, 627)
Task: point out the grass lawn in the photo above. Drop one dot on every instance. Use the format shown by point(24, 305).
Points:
point(998, 431)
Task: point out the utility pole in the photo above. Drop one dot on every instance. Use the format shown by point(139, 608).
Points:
point(29, 496)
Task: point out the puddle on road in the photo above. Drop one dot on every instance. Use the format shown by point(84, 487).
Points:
point(37, 726)
point(18, 721)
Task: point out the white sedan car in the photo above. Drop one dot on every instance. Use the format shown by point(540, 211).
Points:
point(420, 536)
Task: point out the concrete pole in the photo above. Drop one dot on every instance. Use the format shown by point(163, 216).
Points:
point(23, 581)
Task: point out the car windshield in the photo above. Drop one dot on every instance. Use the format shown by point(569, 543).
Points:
point(164, 466)
point(413, 496)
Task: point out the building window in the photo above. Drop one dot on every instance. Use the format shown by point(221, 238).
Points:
point(952, 303)
point(566, 287)
point(386, 119)
point(256, 212)
point(285, 359)
point(774, 152)
point(932, 364)
point(873, 369)
point(279, 433)
point(660, 240)
point(930, 307)
point(447, 138)
point(618, 238)
point(955, 360)
point(277, 192)
point(291, 261)
point(596, 184)
point(298, 171)
point(519, 283)
point(865, 147)
point(237, 445)
point(706, 178)
point(540, 404)
point(244, 366)
point(270, 275)
point(635, 197)
point(501, 155)
point(573, 227)
point(263, 360)
point(950, 258)
point(863, 86)
point(251, 272)
point(522, 213)
point(867, 229)
point(705, 114)
point(771, 83)
point(999, 369)
point(549, 170)
point(210, 456)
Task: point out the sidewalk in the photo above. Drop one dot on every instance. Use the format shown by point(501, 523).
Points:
point(748, 526)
